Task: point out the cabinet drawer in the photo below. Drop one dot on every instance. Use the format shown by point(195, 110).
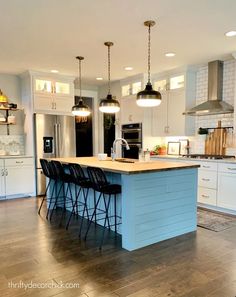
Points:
point(207, 196)
point(207, 179)
point(19, 162)
point(227, 167)
point(208, 165)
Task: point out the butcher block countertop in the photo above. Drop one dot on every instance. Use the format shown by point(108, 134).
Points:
point(127, 168)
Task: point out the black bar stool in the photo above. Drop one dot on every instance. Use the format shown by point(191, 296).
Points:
point(80, 181)
point(63, 178)
point(106, 190)
point(48, 173)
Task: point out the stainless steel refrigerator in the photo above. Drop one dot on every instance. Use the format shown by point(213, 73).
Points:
point(54, 137)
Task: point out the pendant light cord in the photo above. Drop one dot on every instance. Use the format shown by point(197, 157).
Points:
point(149, 53)
point(79, 72)
point(109, 70)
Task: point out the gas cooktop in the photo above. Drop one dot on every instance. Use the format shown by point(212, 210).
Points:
point(203, 156)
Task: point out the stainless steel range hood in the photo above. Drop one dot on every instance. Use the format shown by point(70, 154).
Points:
point(214, 104)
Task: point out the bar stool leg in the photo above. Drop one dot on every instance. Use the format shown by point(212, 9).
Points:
point(44, 197)
point(57, 196)
point(93, 215)
point(106, 220)
point(115, 213)
point(73, 209)
point(50, 203)
point(85, 208)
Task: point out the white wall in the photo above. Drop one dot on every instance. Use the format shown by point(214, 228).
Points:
point(10, 86)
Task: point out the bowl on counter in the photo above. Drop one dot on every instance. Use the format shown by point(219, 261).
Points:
point(102, 157)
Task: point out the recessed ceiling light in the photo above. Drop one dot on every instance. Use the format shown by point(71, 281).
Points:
point(230, 33)
point(99, 78)
point(54, 71)
point(169, 55)
point(128, 68)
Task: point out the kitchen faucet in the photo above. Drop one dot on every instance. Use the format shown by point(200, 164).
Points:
point(113, 149)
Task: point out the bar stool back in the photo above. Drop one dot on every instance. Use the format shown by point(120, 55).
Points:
point(106, 190)
point(64, 178)
point(47, 173)
point(80, 180)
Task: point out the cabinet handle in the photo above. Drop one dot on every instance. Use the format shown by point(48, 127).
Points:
point(6, 172)
point(206, 179)
point(19, 162)
point(230, 168)
point(204, 166)
point(205, 196)
point(2, 172)
point(55, 104)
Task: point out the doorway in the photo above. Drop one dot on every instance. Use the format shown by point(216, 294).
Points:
point(109, 132)
point(84, 130)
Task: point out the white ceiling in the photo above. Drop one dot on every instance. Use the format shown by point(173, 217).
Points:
point(48, 34)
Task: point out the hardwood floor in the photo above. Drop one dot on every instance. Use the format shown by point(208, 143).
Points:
point(201, 264)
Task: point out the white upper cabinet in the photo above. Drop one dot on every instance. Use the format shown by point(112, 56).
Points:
point(130, 111)
point(178, 94)
point(53, 94)
point(132, 85)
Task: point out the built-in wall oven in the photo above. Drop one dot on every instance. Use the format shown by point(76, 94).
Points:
point(132, 133)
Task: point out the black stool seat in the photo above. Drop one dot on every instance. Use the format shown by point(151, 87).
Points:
point(111, 189)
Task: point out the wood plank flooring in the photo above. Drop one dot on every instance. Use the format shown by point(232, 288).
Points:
point(32, 250)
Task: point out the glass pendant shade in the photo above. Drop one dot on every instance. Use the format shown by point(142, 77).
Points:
point(80, 109)
point(148, 97)
point(109, 105)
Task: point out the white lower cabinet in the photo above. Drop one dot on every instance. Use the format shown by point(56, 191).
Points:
point(2, 180)
point(227, 186)
point(207, 196)
point(18, 178)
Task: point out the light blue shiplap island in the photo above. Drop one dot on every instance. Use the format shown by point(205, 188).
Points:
point(158, 200)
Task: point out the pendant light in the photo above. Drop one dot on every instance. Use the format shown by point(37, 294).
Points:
point(109, 105)
point(80, 109)
point(149, 97)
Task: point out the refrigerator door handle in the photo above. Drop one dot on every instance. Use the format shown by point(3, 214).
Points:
point(56, 140)
point(59, 139)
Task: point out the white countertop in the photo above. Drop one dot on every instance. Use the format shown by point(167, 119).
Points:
point(171, 157)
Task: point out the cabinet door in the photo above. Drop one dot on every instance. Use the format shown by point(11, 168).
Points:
point(130, 111)
point(43, 86)
point(2, 180)
point(159, 117)
point(176, 106)
point(226, 190)
point(43, 103)
point(63, 104)
point(63, 88)
point(19, 181)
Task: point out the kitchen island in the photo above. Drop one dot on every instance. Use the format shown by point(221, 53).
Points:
point(158, 200)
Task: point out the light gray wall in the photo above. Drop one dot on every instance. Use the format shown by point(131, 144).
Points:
point(10, 86)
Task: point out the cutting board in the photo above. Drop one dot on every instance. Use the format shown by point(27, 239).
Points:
point(215, 143)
